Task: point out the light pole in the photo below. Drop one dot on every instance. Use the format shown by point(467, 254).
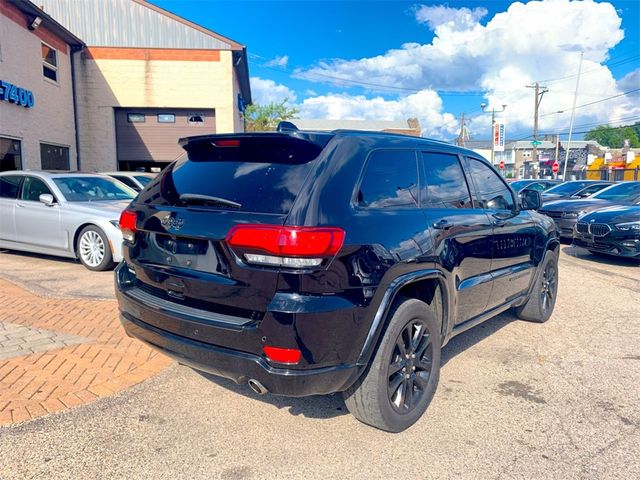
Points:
point(493, 111)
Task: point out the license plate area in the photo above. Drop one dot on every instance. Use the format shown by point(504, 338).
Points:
point(191, 253)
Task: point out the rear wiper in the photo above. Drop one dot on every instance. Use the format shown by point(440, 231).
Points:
point(194, 198)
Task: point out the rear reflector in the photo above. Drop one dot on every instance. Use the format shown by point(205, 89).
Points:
point(127, 225)
point(289, 356)
point(288, 241)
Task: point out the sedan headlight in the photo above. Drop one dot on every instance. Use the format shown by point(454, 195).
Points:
point(115, 223)
point(628, 226)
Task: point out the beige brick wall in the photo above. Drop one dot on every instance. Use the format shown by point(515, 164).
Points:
point(51, 118)
point(105, 83)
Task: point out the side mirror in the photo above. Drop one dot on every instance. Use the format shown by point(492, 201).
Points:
point(530, 199)
point(47, 199)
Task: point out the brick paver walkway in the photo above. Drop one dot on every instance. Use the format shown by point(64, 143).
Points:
point(60, 353)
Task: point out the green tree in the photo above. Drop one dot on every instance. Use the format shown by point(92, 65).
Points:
point(614, 137)
point(261, 118)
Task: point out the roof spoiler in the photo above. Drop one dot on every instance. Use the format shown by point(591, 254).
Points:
point(286, 127)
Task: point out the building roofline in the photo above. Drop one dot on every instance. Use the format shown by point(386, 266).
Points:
point(234, 45)
point(29, 8)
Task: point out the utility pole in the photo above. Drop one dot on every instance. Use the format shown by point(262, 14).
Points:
point(538, 93)
point(483, 106)
point(460, 140)
point(573, 112)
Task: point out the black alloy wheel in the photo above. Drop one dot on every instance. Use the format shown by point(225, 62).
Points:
point(410, 367)
point(549, 287)
point(402, 377)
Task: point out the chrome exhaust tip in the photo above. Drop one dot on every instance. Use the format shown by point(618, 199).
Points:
point(257, 387)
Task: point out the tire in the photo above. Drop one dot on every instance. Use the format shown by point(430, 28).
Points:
point(540, 304)
point(93, 249)
point(379, 398)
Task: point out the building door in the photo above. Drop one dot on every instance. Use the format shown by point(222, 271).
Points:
point(10, 154)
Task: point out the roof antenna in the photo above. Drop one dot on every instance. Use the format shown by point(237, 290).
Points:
point(286, 127)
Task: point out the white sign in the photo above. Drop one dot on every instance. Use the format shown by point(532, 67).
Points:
point(498, 137)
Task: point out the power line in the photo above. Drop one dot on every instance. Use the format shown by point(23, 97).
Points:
point(444, 93)
point(609, 63)
point(591, 103)
point(624, 121)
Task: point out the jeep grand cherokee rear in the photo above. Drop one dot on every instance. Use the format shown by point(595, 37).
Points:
point(311, 263)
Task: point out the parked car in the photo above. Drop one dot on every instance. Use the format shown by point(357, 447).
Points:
point(135, 180)
point(566, 212)
point(307, 263)
point(574, 189)
point(613, 231)
point(65, 214)
point(532, 184)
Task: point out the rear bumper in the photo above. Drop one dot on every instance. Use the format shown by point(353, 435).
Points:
point(147, 321)
point(240, 366)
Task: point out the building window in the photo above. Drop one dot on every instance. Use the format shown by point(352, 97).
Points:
point(49, 62)
point(135, 117)
point(54, 157)
point(166, 118)
point(10, 154)
point(195, 119)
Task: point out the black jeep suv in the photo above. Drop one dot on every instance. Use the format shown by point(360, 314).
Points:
point(308, 263)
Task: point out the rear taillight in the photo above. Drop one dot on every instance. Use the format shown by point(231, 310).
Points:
point(293, 247)
point(127, 225)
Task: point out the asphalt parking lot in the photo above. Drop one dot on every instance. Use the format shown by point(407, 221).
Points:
point(516, 400)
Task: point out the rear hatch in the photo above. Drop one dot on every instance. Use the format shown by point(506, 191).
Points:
point(183, 216)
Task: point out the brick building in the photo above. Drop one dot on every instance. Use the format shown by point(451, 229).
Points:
point(136, 78)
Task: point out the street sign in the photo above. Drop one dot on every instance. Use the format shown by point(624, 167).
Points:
point(555, 167)
point(498, 136)
point(536, 142)
point(501, 164)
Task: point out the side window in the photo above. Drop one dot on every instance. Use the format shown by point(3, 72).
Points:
point(390, 180)
point(445, 184)
point(590, 190)
point(9, 185)
point(492, 192)
point(32, 188)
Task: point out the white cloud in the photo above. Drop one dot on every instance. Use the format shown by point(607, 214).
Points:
point(455, 18)
point(528, 42)
point(630, 81)
point(265, 91)
point(278, 61)
point(425, 105)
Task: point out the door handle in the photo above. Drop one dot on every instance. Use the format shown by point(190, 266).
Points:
point(20, 205)
point(443, 224)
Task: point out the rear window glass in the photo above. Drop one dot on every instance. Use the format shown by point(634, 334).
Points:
point(262, 175)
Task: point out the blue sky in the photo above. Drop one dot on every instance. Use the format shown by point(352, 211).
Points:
point(435, 60)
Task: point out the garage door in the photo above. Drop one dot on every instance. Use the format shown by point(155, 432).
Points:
point(151, 134)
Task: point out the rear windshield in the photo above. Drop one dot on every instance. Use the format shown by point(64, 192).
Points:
point(262, 175)
point(623, 192)
point(568, 188)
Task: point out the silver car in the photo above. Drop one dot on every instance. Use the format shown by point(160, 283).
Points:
point(135, 180)
point(65, 214)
